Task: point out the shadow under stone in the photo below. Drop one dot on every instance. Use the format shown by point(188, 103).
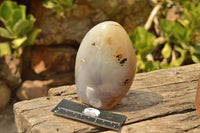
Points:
point(136, 100)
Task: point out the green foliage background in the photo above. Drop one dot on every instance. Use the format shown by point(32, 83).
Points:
point(182, 39)
point(18, 29)
point(60, 6)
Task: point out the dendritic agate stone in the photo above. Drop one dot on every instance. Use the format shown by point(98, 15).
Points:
point(105, 65)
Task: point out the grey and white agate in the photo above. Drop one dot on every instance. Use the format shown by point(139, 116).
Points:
point(105, 65)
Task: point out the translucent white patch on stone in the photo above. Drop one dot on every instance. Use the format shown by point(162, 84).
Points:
point(89, 91)
point(92, 98)
point(95, 102)
point(91, 112)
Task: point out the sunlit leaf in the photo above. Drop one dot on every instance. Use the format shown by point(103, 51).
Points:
point(18, 42)
point(31, 18)
point(179, 61)
point(140, 64)
point(196, 58)
point(49, 4)
point(184, 22)
point(5, 48)
point(166, 51)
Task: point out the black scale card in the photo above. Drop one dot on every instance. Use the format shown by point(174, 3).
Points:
point(88, 114)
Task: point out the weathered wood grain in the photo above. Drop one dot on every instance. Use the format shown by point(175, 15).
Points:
point(197, 100)
point(159, 101)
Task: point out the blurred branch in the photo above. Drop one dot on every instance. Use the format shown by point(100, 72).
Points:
point(173, 55)
point(154, 19)
point(154, 1)
point(156, 25)
point(160, 40)
point(155, 10)
point(150, 57)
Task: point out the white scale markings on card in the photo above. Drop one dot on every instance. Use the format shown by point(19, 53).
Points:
point(75, 114)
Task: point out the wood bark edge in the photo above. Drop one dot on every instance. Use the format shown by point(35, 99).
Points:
point(197, 101)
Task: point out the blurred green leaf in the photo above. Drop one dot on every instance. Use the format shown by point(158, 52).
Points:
point(166, 27)
point(173, 29)
point(9, 25)
point(31, 18)
point(184, 45)
point(156, 65)
point(67, 2)
point(131, 36)
point(178, 32)
point(5, 48)
point(19, 14)
point(178, 61)
point(193, 50)
point(140, 63)
point(6, 9)
point(148, 66)
point(165, 66)
point(182, 38)
point(23, 26)
point(179, 49)
point(166, 51)
point(152, 66)
point(196, 58)
point(23, 11)
point(196, 49)
point(71, 7)
point(143, 41)
point(32, 36)
point(5, 33)
point(59, 6)
point(16, 16)
point(19, 28)
point(49, 4)
point(18, 42)
point(184, 22)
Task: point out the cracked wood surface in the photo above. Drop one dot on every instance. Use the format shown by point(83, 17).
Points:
point(159, 101)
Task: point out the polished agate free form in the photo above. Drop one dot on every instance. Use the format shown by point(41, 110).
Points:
point(105, 65)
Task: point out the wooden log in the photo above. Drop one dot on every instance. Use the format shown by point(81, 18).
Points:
point(158, 101)
point(197, 100)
